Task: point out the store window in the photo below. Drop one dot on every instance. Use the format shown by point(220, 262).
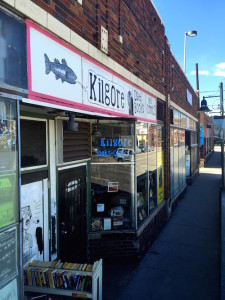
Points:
point(33, 143)
point(182, 164)
point(149, 169)
point(142, 171)
point(8, 162)
point(152, 166)
point(176, 118)
point(177, 161)
point(172, 163)
point(112, 175)
point(13, 67)
point(9, 203)
point(160, 164)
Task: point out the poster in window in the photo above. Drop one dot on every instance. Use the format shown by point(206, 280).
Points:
point(8, 256)
point(32, 215)
point(9, 291)
point(8, 163)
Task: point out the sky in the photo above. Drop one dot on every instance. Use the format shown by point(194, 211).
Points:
point(207, 49)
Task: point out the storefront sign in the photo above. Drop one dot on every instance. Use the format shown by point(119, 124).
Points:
point(201, 135)
point(65, 76)
point(121, 142)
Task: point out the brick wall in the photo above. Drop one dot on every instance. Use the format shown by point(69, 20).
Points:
point(143, 34)
point(178, 86)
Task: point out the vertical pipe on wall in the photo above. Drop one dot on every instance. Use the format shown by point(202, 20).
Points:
point(198, 135)
point(197, 82)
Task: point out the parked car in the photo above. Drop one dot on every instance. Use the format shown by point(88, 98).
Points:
point(124, 154)
point(138, 149)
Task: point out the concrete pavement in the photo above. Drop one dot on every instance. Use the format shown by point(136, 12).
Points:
point(184, 261)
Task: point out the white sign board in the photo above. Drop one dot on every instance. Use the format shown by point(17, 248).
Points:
point(66, 77)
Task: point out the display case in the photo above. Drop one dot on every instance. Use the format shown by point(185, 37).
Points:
point(110, 210)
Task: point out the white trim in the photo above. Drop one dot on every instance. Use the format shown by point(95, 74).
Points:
point(33, 119)
point(72, 166)
point(45, 104)
point(53, 187)
point(177, 107)
point(34, 168)
point(45, 218)
point(46, 20)
point(108, 163)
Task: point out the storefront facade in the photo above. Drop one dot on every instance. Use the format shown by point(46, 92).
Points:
point(95, 159)
point(115, 158)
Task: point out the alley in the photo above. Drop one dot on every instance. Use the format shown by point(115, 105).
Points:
point(184, 261)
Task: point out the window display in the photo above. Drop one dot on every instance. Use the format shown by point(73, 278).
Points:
point(8, 162)
point(9, 206)
point(152, 166)
point(142, 171)
point(177, 161)
point(116, 158)
point(149, 169)
point(160, 164)
point(112, 176)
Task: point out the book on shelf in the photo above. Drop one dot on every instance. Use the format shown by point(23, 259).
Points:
point(89, 268)
point(77, 282)
point(70, 277)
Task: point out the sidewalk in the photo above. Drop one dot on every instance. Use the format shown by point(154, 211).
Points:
point(184, 262)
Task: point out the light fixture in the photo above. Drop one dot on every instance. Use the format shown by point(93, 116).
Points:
point(204, 106)
point(70, 125)
point(191, 33)
point(96, 132)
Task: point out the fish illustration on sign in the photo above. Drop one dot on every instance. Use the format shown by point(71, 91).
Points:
point(61, 70)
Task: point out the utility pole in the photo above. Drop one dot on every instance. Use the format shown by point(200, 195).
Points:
point(221, 98)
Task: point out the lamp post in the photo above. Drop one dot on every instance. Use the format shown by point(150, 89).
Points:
point(192, 33)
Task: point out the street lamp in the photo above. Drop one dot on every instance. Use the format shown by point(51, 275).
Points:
point(192, 33)
point(204, 106)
